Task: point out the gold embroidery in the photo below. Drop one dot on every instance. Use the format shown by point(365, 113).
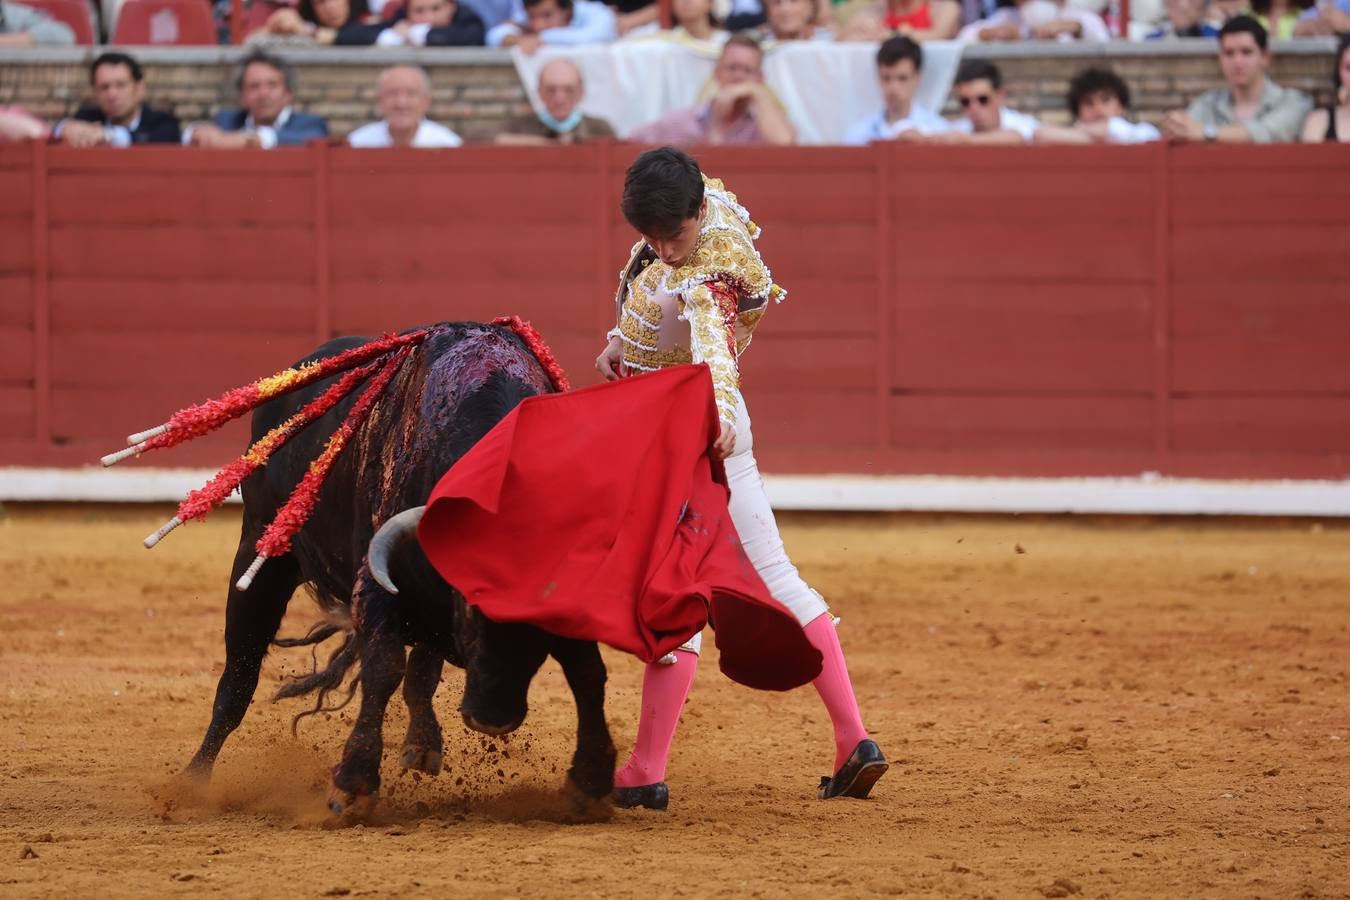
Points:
point(708, 337)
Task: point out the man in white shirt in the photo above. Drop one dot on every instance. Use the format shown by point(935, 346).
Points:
point(1099, 101)
point(403, 98)
point(986, 118)
point(899, 61)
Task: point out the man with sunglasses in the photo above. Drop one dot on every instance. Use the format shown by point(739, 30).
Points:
point(986, 117)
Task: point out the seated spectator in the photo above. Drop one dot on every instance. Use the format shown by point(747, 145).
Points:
point(1252, 108)
point(695, 27)
point(1332, 123)
point(791, 20)
point(743, 111)
point(320, 22)
point(1279, 17)
point(23, 26)
point(987, 118)
point(1037, 20)
point(747, 15)
point(1327, 18)
point(1185, 19)
point(120, 117)
point(17, 125)
point(266, 90)
point(561, 121)
point(403, 97)
point(1220, 11)
point(434, 23)
point(899, 61)
point(923, 20)
point(565, 23)
point(1099, 101)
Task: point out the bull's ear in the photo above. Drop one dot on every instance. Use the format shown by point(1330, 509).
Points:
point(382, 546)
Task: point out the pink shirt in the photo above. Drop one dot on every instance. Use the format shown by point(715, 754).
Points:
point(693, 126)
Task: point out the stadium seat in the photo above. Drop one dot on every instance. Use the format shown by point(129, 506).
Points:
point(147, 22)
point(74, 13)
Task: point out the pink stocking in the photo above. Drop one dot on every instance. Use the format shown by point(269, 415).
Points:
point(664, 690)
point(835, 689)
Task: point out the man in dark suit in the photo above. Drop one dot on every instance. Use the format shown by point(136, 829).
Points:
point(266, 90)
point(119, 117)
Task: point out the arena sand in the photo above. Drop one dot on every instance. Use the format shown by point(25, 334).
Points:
point(1072, 708)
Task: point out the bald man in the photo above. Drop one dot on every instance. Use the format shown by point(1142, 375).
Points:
point(560, 121)
point(403, 97)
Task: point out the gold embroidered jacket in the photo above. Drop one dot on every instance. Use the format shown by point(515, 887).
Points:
point(703, 311)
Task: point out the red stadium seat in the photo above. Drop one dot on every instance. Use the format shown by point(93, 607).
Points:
point(145, 22)
point(74, 13)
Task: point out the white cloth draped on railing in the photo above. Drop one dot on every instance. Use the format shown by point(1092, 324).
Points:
point(825, 87)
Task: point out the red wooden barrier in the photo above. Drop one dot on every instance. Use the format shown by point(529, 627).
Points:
point(1035, 311)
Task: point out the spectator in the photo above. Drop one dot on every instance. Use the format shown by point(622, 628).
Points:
point(434, 23)
point(1279, 17)
point(320, 22)
point(561, 121)
point(120, 117)
point(1099, 101)
point(695, 27)
point(899, 61)
point(987, 118)
point(17, 125)
point(791, 20)
point(1037, 20)
point(1185, 19)
point(922, 20)
point(403, 97)
point(1220, 11)
point(266, 90)
point(1252, 108)
point(565, 23)
point(747, 15)
point(23, 26)
point(1332, 123)
point(1328, 17)
point(743, 111)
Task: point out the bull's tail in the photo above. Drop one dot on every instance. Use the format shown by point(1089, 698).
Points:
point(324, 680)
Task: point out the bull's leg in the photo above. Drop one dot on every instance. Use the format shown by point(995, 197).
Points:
point(252, 618)
point(356, 779)
point(593, 763)
point(423, 747)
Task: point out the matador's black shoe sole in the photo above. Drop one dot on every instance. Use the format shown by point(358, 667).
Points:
point(858, 773)
point(651, 796)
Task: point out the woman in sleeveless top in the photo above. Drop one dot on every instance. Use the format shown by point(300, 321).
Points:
point(1331, 124)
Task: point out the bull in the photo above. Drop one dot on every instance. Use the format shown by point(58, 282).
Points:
point(463, 379)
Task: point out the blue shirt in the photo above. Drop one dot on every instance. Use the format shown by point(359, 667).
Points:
point(875, 128)
point(592, 23)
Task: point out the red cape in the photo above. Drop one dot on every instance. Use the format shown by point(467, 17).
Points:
point(599, 514)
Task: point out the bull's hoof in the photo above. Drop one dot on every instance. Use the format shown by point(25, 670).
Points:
point(492, 729)
point(350, 806)
point(586, 805)
point(422, 759)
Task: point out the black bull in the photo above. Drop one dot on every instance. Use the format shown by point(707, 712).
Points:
point(460, 382)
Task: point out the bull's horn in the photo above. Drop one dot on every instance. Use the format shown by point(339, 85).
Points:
point(382, 545)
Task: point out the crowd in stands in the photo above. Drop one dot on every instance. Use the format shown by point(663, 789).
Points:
point(742, 109)
point(530, 24)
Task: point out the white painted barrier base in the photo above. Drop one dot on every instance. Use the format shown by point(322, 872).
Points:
point(1146, 495)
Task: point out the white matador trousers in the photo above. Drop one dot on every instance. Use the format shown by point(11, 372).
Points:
point(754, 521)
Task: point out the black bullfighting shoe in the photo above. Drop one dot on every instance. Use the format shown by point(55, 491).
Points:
point(858, 773)
point(652, 796)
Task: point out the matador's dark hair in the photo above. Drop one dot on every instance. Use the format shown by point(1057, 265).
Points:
point(662, 189)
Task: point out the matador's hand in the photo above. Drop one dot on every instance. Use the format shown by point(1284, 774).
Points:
point(726, 440)
point(608, 362)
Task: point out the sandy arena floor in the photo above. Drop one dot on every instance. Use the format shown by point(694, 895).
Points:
point(1072, 708)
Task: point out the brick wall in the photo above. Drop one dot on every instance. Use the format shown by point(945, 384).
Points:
point(475, 90)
